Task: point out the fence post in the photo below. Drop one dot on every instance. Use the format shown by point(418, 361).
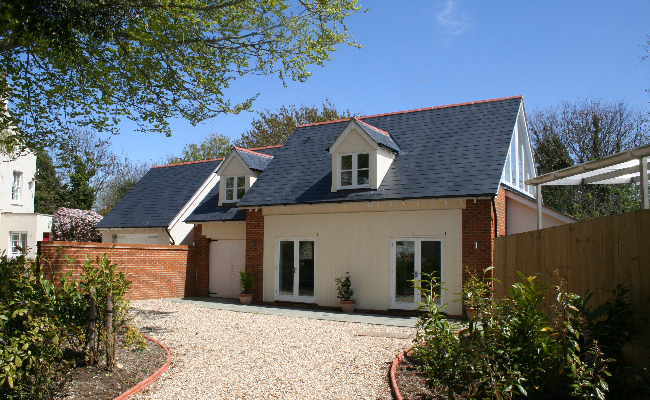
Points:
point(110, 339)
point(91, 338)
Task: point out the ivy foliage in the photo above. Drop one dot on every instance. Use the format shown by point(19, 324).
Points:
point(512, 349)
point(93, 63)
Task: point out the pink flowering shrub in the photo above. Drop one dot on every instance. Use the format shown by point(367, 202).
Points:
point(76, 225)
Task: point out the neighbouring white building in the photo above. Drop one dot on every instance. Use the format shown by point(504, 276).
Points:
point(20, 226)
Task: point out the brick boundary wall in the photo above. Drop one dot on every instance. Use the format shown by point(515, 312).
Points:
point(156, 271)
point(255, 251)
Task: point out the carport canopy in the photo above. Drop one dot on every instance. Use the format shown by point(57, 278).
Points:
point(629, 166)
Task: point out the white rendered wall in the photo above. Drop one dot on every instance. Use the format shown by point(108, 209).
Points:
point(32, 224)
point(357, 239)
point(27, 165)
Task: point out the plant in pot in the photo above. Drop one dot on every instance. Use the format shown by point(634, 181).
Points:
point(344, 287)
point(246, 282)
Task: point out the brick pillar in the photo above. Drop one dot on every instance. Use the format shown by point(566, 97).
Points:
point(500, 202)
point(255, 251)
point(202, 245)
point(478, 236)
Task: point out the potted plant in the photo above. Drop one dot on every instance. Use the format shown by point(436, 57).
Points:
point(246, 282)
point(344, 287)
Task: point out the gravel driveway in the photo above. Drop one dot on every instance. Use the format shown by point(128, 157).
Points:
point(219, 354)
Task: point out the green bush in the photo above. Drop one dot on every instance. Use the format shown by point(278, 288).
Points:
point(39, 319)
point(511, 349)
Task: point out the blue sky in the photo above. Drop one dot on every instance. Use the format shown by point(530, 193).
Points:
point(427, 53)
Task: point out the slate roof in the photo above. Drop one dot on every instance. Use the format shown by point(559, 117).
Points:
point(159, 195)
point(448, 151)
point(209, 210)
point(381, 137)
point(254, 160)
point(268, 150)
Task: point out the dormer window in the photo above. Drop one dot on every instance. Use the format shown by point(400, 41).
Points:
point(355, 170)
point(235, 187)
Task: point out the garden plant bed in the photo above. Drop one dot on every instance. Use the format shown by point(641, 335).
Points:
point(97, 383)
point(412, 384)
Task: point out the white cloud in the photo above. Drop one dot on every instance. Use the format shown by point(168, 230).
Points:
point(454, 21)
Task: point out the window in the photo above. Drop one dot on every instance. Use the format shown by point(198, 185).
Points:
point(15, 187)
point(234, 193)
point(355, 170)
point(18, 243)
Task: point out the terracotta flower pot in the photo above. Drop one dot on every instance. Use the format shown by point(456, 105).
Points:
point(348, 306)
point(245, 298)
point(470, 312)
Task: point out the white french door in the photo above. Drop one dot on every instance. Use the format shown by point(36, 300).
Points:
point(294, 270)
point(410, 258)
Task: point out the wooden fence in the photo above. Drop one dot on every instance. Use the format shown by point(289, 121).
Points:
point(595, 255)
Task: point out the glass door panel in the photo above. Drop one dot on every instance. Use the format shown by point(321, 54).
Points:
point(430, 261)
point(404, 271)
point(306, 269)
point(287, 269)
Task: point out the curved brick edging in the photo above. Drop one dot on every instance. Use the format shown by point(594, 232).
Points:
point(135, 389)
point(392, 380)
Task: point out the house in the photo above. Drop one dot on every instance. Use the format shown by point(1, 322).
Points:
point(20, 226)
point(385, 197)
point(155, 209)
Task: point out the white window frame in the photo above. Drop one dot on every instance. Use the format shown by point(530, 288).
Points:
point(234, 189)
point(21, 241)
point(355, 170)
point(296, 262)
point(418, 267)
point(16, 187)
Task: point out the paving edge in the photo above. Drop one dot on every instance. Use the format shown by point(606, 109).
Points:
point(146, 382)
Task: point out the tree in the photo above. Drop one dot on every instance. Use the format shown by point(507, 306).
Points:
point(575, 133)
point(49, 193)
point(127, 174)
point(273, 128)
point(76, 225)
point(212, 146)
point(92, 63)
point(81, 195)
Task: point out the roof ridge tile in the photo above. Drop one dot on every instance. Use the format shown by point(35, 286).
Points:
point(252, 152)
point(186, 163)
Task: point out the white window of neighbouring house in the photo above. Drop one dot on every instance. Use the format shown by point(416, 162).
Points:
point(235, 187)
point(295, 270)
point(18, 243)
point(414, 259)
point(15, 187)
point(355, 170)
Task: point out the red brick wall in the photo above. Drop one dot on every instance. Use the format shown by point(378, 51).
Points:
point(255, 251)
point(478, 232)
point(202, 245)
point(156, 271)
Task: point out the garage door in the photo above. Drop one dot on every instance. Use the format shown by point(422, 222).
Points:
point(136, 239)
point(227, 258)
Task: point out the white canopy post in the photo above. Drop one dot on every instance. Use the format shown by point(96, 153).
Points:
point(644, 183)
point(539, 206)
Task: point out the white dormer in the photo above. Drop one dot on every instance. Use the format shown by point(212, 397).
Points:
point(361, 156)
point(238, 172)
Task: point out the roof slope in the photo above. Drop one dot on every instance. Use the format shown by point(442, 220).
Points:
point(254, 160)
point(268, 150)
point(209, 210)
point(381, 137)
point(159, 195)
point(446, 151)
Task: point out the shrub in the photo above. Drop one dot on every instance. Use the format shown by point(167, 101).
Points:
point(39, 319)
point(512, 349)
point(344, 287)
point(246, 282)
point(76, 225)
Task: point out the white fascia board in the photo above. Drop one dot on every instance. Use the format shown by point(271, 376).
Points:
point(346, 131)
point(197, 197)
point(545, 210)
point(224, 163)
point(521, 116)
